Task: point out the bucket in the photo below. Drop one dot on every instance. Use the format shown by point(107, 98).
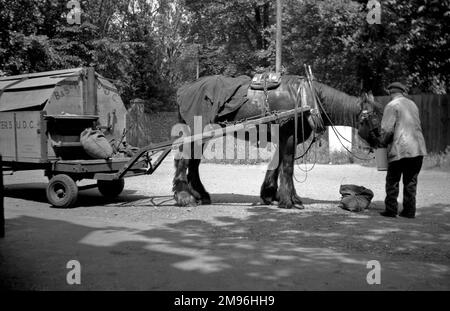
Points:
point(381, 158)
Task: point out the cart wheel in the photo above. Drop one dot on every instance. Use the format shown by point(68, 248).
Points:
point(62, 191)
point(111, 188)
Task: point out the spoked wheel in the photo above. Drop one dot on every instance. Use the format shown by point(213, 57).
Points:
point(111, 188)
point(62, 191)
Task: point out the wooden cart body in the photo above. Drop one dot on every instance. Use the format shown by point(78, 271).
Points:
point(26, 101)
point(42, 116)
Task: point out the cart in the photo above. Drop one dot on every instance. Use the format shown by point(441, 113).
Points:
point(41, 118)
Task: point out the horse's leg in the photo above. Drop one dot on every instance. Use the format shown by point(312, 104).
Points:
point(286, 191)
point(183, 193)
point(195, 183)
point(269, 188)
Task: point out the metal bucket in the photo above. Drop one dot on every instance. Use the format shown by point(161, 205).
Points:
point(381, 159)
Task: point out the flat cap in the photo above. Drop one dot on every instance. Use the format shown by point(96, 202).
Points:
point(398, 86)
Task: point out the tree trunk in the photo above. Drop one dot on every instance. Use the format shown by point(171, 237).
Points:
point(259, 23)
point(266, 22)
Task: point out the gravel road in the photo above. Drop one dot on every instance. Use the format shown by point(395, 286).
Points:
point(141, 241)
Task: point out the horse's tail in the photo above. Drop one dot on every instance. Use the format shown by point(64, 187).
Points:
point(179, 117)
point(178, 102)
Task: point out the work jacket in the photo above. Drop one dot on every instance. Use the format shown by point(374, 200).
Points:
point(401, 128)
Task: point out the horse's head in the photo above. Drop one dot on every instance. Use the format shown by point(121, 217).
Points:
point(370, 120)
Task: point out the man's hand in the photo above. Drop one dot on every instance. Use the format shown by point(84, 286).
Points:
point(385, 139)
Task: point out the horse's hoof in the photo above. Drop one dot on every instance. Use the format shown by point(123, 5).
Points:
point(298, 206)
point(195, 194)
point(285, 205)
point(297, 201)
point(267, 201)
point(290, 205)
point(269, 195)
point(205, 200)
point(184, 198)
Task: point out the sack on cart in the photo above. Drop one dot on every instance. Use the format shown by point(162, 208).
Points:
point(95, 144)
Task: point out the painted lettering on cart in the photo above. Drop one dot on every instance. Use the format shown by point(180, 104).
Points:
point(8, 125)
point(63, 91)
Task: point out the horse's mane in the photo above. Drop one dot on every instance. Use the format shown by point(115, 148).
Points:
point(342, 108)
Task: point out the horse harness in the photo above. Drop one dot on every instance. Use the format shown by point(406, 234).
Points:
point(265, 82)
point(269, 81)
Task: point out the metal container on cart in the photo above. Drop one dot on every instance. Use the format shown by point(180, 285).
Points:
point(41, 118)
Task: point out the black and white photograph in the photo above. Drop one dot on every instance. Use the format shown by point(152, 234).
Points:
point(225, 151)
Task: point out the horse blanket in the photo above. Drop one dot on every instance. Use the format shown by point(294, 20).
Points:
point(211, 97)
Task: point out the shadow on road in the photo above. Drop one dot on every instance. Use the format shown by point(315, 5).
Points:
point(37, 192)
point(224, 198)
point(270, 249)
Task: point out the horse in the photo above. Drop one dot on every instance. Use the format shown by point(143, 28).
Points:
point(335, 108)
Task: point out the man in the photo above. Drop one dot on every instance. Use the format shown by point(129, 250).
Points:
point(401, 133)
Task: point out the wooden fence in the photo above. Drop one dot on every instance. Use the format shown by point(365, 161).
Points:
point(435, 117)
point(145, 128)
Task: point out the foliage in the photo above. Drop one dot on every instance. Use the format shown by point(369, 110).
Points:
point(234, 37)
point(412, 44)
point(150, 47)
point(323, 34)
point(439, 161)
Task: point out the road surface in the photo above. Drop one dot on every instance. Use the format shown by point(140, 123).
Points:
point(141, 241)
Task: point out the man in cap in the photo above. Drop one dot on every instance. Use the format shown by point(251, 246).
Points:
point(401, 133)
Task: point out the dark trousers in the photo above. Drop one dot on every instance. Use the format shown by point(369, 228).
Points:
point(409, 168)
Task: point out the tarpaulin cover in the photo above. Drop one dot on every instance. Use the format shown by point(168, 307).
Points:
point(27, 91)
point(212, 96)
point(22, 99)
point(355, 198)
point(41, 82)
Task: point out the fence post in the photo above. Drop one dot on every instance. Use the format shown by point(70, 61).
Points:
point(2, 208)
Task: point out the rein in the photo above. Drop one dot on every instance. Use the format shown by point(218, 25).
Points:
point(316, 123)
point(339, 136)
point(316, 119)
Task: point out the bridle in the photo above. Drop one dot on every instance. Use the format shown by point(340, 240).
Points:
point(371, 118)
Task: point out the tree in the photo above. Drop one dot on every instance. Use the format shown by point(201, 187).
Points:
point(323, 34)
point(411, 44)
point(234, 36)
point(24, 44)
point(151, 47)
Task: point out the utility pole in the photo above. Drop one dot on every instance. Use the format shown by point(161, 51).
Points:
point(198, 62)
point(279, 36)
